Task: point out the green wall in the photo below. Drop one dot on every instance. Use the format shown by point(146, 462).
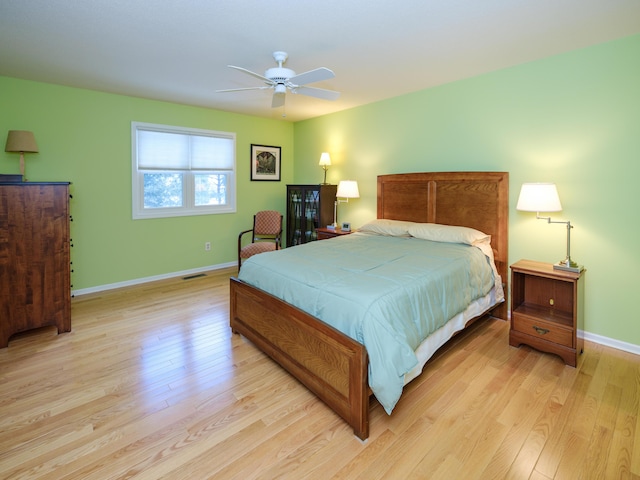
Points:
point(85, 137)
point(573, 119)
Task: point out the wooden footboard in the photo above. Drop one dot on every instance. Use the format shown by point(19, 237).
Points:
point(327, 362)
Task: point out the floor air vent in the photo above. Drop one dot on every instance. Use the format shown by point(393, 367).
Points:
point(194, 276)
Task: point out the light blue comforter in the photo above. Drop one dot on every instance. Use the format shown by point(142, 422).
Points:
point(388, 293)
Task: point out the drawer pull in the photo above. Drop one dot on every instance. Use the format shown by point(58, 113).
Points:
point(541, 331)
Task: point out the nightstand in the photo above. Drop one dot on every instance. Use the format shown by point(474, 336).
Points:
point(325, 233)
point(547, 309)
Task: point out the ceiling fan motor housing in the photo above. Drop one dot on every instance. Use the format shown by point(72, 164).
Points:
point(279, 74)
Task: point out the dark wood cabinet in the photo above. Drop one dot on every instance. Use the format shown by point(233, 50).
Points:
point(35, 283)
point(308, 207)
point(547, 309)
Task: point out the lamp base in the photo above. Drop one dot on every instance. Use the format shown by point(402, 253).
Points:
point(568, 265)
point(24, 178)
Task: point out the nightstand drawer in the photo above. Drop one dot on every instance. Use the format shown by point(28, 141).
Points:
point(547, 331)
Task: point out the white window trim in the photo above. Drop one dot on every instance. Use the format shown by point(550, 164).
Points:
point(137, 178)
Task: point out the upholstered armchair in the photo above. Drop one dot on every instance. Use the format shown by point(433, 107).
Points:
point(265, 235)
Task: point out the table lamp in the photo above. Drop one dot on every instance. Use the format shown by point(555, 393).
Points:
point(543, 197)
point(21, 141)
point(346, 189)
point(325, 162)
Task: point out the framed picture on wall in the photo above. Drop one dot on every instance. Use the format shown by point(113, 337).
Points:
point(265, 163)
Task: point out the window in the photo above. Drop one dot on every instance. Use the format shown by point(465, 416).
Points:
point(181, 171)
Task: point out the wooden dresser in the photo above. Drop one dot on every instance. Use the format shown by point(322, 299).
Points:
point(35, 283)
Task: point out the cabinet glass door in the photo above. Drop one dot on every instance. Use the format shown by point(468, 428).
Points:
point(294, 216)
point(311, 210)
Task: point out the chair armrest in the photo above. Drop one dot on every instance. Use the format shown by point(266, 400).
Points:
point(246, 231)
point(240, 238)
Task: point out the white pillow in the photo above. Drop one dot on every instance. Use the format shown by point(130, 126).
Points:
point(381, 226)
point(448, 233)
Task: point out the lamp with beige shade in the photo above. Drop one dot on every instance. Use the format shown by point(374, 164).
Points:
point(21, 141)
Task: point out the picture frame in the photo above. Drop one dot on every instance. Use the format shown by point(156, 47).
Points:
point(265, 163)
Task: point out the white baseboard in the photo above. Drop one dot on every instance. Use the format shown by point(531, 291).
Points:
point(592, 337)
point(138, 281)
point(610, 342)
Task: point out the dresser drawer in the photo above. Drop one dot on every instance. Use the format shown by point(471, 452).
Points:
point(550, 332)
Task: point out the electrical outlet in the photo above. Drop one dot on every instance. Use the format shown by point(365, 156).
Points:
point(207, 246)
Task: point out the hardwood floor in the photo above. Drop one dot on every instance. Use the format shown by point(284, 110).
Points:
point(151, 383)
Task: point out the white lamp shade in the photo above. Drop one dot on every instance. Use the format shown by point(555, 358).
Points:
point(325, 160)
point(539, 197)
point(348, 189)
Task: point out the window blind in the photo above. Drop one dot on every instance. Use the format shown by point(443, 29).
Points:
point(159, 150)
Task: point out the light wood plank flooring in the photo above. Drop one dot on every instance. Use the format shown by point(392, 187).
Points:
point(151, 383)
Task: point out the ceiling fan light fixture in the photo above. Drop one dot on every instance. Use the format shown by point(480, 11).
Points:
point(280, 88)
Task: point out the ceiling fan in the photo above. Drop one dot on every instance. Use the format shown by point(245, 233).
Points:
point(281, 79)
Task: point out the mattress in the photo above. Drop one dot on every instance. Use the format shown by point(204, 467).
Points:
point(390, 293)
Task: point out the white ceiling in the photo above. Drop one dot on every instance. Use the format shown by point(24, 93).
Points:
point(178, 51)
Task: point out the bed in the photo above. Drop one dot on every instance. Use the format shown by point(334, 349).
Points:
point(332, 364)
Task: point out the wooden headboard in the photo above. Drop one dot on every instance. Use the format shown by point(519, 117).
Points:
point(478, 200)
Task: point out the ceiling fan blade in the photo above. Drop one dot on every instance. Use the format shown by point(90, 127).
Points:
point(254, 74)
point(317, 93)
point(241, 89)
point(311, 76)
point(278, 100)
